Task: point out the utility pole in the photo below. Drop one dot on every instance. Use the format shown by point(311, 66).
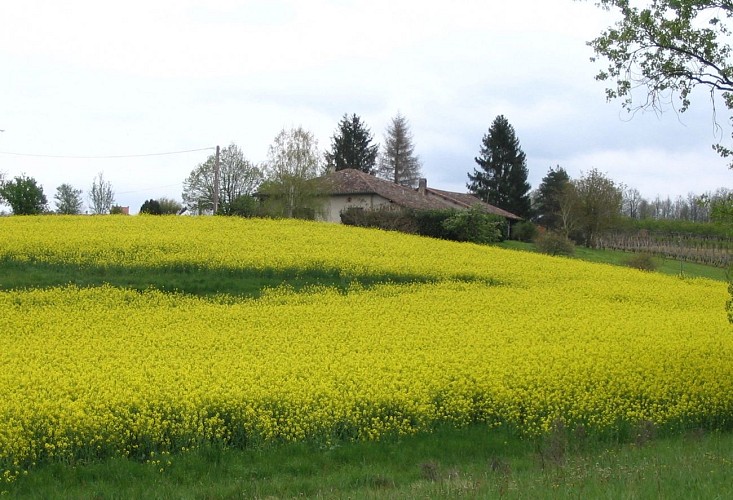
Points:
point(216, 181)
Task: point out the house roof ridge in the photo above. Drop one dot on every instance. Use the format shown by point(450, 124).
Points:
point(351, 181)
point(446, 195)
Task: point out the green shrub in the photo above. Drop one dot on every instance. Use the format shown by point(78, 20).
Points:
point(383, 218)
point(553, 243)
point(643, 261)
point(430, 222)
point(241, 206)
point(473, 225)
point(524, 231)
point(151, 207)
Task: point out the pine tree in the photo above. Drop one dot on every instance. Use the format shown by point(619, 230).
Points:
point(398, 161)
point(351, 147)
point(547, 203)
point(502, 180)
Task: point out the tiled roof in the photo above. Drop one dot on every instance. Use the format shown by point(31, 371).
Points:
point(351, 181)
point(468, 200)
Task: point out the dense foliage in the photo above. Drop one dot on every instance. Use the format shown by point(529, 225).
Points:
point(151, 207)
point(291, 187)
point(554, 243)
point(352, 147)
point(472, 225)
point(24, 195)
point(593, 202)
point(237, 177)
point(501, 179)
point(68, 200)
point(547, 205)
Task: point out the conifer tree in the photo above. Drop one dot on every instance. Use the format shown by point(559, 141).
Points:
point(351, 147)
point(547, 203)
point(502, 179)
point(398, 161)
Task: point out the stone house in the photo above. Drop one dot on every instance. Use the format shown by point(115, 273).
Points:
point(354, 188)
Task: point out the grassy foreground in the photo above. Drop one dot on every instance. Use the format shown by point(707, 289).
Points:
point(465, 463)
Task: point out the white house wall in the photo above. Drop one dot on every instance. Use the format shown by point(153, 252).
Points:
point(337, 203)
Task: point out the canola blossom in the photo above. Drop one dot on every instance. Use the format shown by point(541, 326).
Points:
point(496, 336)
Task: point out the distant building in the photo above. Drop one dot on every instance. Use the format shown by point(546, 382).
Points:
point(354, 188)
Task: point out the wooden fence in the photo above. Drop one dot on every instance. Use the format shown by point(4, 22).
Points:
point(710, 251)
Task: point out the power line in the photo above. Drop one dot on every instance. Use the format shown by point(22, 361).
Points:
point(76, 157)
point(149, 189)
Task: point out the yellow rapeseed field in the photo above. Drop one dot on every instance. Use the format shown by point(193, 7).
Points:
point(495, 336)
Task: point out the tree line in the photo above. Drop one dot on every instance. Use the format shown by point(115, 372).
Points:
point(26, 197)
point(286, 184)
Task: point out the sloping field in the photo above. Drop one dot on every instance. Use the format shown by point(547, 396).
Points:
point(450, 333)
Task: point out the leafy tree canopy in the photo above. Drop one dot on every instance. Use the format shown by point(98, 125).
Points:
point(68, 200)
point(24, 196)
point(721, 209)
point(661, 50)
point(294, 162)
point(237, 177)
point(169, 206)
point(595, 203)
point(244, 206)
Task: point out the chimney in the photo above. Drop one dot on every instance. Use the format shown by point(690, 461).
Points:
point(422, 186)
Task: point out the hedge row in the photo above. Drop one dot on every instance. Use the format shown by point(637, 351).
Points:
point(472, 225)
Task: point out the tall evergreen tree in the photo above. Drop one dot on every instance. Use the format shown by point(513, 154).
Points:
point(398, 161)
point(547, 203)
point(502, 180)
point(351, 146)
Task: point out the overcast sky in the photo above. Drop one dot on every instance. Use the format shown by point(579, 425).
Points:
point(95, 78)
